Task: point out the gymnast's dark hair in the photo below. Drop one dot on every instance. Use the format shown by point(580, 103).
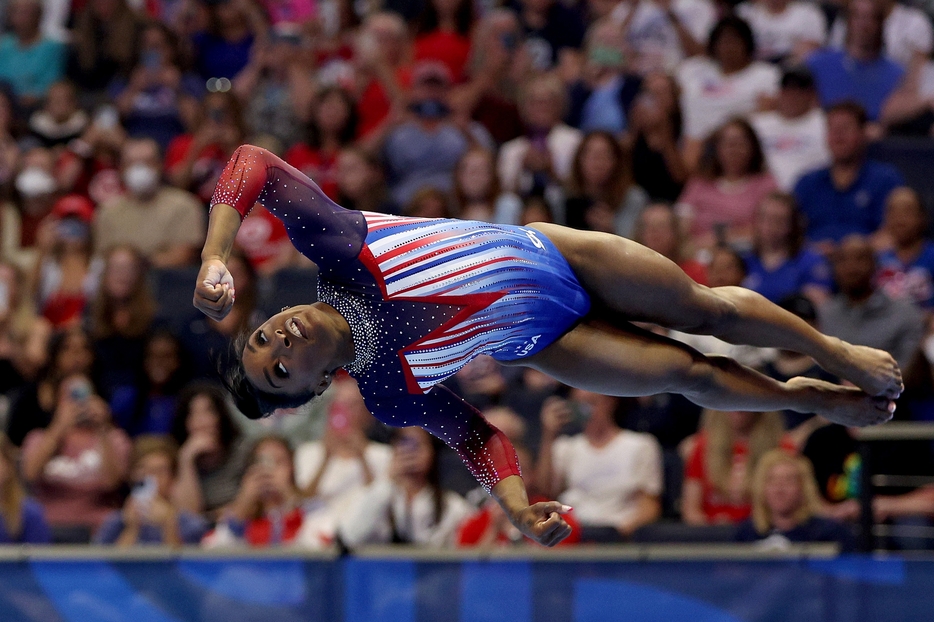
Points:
point(252, 402)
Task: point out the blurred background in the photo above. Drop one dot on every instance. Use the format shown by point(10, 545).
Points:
point(785, 146)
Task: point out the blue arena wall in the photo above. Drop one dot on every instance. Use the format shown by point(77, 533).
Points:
point(399, 589)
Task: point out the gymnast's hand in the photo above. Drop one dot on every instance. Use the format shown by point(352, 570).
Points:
point(214, 290)
point(543, 523)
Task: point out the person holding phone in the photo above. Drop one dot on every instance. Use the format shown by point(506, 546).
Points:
point(149, 516)
point(79, 462)
point(610, 476)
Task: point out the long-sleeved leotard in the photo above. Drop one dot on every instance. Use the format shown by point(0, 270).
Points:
point(422, 298)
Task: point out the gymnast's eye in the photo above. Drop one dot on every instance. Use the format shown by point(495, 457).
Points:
point(280, 371)
point(261, 338)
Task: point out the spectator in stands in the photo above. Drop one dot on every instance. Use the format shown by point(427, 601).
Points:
point(28, 60)
point(267, 510)
point(785, 506)
point(859, 71)
point(77, 464)
point(785, 30)
point(424, 150)
point(442, 33)
point(332, 127)
point(907, 36)
point(104, 44)
point(90, 164)
point(864, 314)
point(277, 89)
point(360, 182)
point(658, 228)
point(121, 317)
point(794, 135)
point(525, 394)
point(149, 405)
point(779, 264)
point(223, 49)
point(429, 202)
point(910, 109)
point(37, 189)
point(906, 271)
point(477, 194)
point(382, 74)
point(541, 160)
point(159, 98)
point(211, 452)
point(849, 195)
point(553, 31)
point(725, 83)
point(69, 353)
point(602, 194)
point(66, 274)
point(721, 462)
point(481, 382)
point(165, 224)
point(330, 471)
point(60, 120)
point(610, 476)
point(148, 516)
point(601, 99)
point(499, 63)
point(719, 201)
point(654, 136)
point(24, 335)
point(194, 161)
point(662, 36)
point(22, 518)
point(410, 506)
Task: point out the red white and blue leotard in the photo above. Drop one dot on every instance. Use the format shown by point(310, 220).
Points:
point(422, 298)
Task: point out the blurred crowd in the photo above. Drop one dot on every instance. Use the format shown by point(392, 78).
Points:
point(736, 140)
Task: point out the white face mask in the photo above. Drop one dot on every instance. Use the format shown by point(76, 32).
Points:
point(141, 179)
point(34, 182)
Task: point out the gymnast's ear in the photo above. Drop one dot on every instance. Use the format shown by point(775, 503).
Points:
point(324, 384)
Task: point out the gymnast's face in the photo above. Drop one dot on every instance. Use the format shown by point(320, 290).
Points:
point(289, 353)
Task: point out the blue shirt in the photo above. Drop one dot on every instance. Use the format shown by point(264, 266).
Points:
point(807, 268)
point(602, 110)
point(833, 213)
point(912, 281)
point(839, 77)
point(217, 58)
point(34, 529)
point(31, 70)
point(191, 528)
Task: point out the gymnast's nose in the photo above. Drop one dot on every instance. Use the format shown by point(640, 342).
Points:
point(285, 338)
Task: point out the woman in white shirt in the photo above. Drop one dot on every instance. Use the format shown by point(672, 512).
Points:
point(784, 29)
point(410, 507)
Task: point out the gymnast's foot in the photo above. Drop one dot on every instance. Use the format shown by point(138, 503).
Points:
point(847, 406)
point(873, 371)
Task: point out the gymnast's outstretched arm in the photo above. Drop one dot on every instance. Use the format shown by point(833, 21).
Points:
point(486, 452)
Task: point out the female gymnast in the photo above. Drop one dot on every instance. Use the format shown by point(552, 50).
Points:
point(403, 303)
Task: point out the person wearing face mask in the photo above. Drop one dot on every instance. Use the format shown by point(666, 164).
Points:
point(35, 192)
point(424, 150)
point(610, 476)
point(166, 224)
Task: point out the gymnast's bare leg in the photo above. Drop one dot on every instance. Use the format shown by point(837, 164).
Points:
point(634, 362)
point(641, 285)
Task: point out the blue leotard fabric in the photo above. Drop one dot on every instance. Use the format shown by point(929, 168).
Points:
point(422, 298)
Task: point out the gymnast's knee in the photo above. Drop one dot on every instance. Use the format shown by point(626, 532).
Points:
point(699, 377)
point(718, 313)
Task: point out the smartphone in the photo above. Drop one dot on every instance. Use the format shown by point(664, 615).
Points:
point(80, 390)
point(580, 414)
point(151, 59)
point(145, 491)
point(107, 118)
point(4, 297)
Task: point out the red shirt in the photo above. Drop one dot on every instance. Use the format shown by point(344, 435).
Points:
point(264, 531)
point(695, 270)
point(450, 48)
point(374, 105)
point(262, 237)
point(320, 166)
point(716, 507)
point(207, 169)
